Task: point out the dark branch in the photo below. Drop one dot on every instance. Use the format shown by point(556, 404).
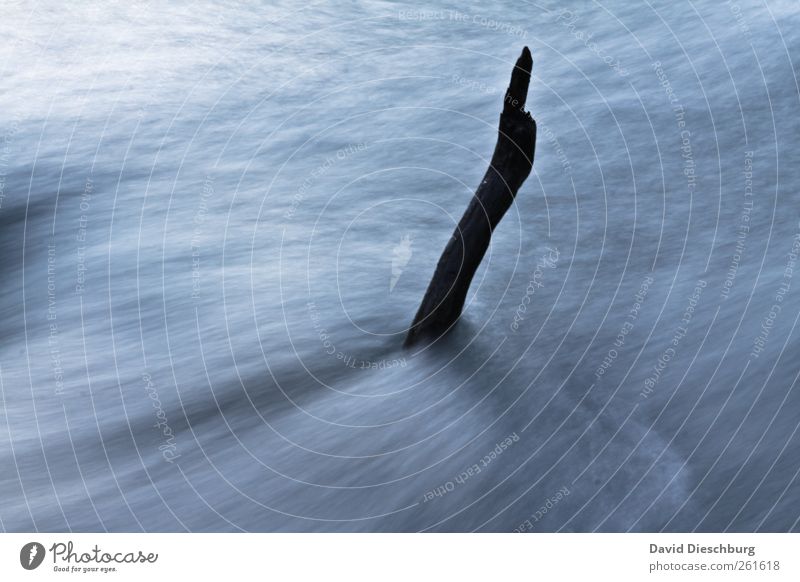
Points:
point(511, 163)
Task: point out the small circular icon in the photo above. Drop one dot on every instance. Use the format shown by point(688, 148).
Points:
point(31, 555)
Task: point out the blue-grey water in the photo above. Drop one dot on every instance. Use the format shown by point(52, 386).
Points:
point(218, 219)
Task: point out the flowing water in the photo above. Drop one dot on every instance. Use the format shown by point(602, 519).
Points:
point(218, 220)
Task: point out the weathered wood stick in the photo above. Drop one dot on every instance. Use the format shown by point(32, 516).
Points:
point(511, 163)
